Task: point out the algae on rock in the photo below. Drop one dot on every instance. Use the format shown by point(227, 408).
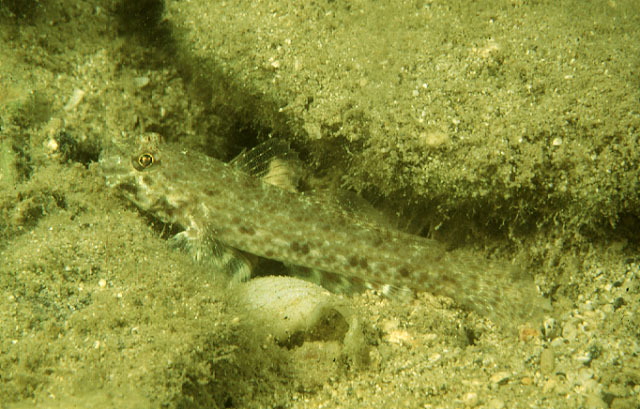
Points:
point(513, 114)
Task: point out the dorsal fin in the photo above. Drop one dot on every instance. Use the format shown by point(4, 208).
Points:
point(276, 163)
point(273, 161)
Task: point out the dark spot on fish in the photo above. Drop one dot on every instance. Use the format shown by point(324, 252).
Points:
point(331, 277)
point(268, 253)
point(235, 220)
point(404, 272)
point(363, 263)
point(246, 230)
point(299, 248)
point(447, 279)
point(356, 281)
point(353, 261)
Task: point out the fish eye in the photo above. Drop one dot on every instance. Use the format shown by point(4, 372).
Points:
point(145, 160)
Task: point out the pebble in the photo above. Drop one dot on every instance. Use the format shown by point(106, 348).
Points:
point(558, 342)
point(585, 374)
point(495, 404)
point(570, 329)
point(500, 378)
point(141, 82)
point(547, 361)
point(583, 357)
point(287, 306)
point(471, 399)
point(588, 306)
point(76, 97)
point(594, 401)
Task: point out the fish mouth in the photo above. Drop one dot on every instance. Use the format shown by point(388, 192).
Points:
point(119, 173)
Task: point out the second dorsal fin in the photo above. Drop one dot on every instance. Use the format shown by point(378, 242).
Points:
point(273, 161)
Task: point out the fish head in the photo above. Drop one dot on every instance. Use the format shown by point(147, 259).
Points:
point(136, 171)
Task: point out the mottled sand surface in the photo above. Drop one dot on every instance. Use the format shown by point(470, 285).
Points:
point(507, 130)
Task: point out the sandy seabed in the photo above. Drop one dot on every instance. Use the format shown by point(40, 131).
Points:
point(507, 131)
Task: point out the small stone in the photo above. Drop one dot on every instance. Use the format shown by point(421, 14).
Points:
point(287, 307)
point(584, 357)
point(585, 374)
point(623, 403)
point(495, 404)
point(435, 357)
point(591, 386)
point(587, 306)
point(570, 330)
point(547, 361)
point(141, 82)
point(558, 342)
point(434, 139)
point(74, 100)
point(528, 333)
point(550, 385)
point(471, 399)
point(594, 401)
point(400, 337)
point(52, 145)
point(500, 378)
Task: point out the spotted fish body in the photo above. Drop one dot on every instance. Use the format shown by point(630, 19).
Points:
point(221, 206)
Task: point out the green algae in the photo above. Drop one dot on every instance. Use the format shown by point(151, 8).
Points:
point(8, 172)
